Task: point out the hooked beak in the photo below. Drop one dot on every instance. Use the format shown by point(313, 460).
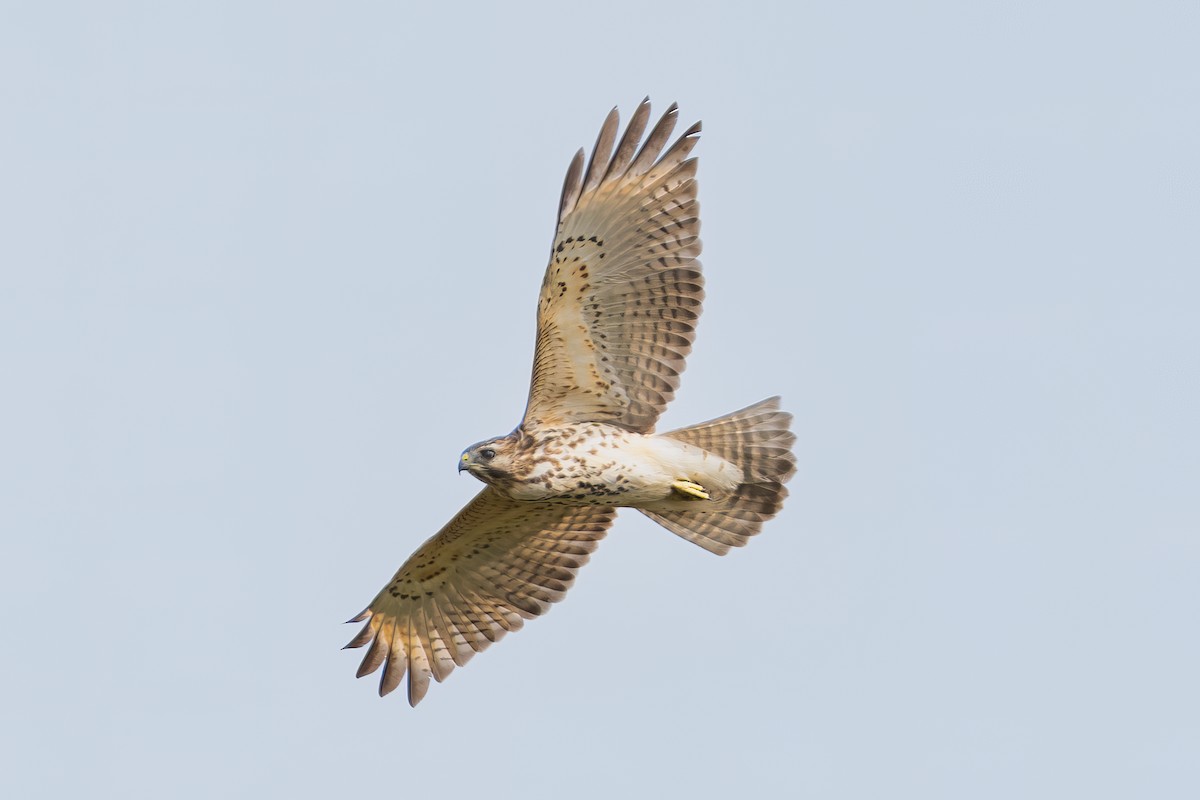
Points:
point(464, 462)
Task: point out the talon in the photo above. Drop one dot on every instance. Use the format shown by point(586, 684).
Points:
point(689, 489)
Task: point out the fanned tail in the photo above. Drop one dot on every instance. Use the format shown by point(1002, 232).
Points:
point(758, 440)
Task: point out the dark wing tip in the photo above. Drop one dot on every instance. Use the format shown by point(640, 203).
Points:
point(363, 615)
point(572, 185)
point(361, 638)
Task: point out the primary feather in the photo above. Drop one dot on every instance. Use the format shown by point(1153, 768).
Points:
point(616, 319)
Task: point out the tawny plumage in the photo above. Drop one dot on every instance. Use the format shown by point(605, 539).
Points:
point(497, 563)
point(622, 293)
point(616, 320)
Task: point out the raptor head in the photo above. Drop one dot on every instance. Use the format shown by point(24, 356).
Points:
point(490, 461)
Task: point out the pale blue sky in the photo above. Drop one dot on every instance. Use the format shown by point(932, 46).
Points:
point(265, 269)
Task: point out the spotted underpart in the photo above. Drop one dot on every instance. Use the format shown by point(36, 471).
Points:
point(595, 463)
point(616, 319)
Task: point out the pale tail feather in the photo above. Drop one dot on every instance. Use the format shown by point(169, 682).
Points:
point(757, 439)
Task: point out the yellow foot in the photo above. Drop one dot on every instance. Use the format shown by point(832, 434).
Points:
point(689, 489)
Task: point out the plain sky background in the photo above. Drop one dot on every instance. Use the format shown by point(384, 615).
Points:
point(266, 268)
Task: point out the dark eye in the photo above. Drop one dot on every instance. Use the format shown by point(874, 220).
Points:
point(487, 454)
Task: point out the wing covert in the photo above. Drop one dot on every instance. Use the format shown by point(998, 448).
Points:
point(623, 290)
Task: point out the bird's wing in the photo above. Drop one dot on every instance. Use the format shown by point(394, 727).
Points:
point(622, 293)
point(497, 563)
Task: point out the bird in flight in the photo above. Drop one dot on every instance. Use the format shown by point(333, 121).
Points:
point(616, 318)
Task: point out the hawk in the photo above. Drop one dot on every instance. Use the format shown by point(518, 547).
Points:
point(615, 320)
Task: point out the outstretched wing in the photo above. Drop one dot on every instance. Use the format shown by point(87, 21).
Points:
point(497, 563)
point(622, 293)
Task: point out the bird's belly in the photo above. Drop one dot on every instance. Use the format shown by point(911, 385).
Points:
point(602, 465)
